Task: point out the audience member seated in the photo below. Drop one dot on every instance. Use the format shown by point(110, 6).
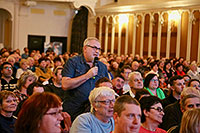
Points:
point(189, 102)
point(100, 119)
point(194, 83)
point(152, 113)
point(151, 83)
point(179, 70)
point(141, 93)
point(25, 55)
point(11, 60)
point(127, 115)
point(168, 70)
point(118, 83)
point(125, 71)
point(8, 104)
point(33, 88)
point(173, 112)
point(42, 72)
point(177, 84)
point(104, 82)
point(55, 85)
point(190, 122)
point(135, 65)
point(7, 81)
point(31, 64)
point(154, 68)
point(135, 83)
point(194, 72)
point(42, 112)
point(23, 68)
point(23, 82)
point(187, 79)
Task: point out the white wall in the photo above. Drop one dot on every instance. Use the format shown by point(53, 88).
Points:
point(46, 24)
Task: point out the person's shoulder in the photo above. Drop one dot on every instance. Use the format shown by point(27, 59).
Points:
point(160, 130)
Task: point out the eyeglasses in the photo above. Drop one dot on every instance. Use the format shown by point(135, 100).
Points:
point(107, 102)
point(153, 80)
point(54, 113)
point(159, 109)
point(8, 68)
point(94, 47)
point(196, 86)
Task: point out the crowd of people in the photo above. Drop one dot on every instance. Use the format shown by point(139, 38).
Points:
point(97, 93)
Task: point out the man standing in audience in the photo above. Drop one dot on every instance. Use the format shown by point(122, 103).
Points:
point(7, 81)
point(79, 76)
point(100, 117)
point(118, 83)
point(177, 84)
point(125, 71)
point(127, 115)
point(135, 83)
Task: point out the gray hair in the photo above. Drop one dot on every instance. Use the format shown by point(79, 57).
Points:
point(132, 74)
point(189, 90)
point(87, 40)
point(99, 92)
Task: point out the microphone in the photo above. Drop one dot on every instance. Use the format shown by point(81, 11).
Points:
point(95, 63)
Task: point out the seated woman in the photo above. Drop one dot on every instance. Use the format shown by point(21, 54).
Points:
point(151, 83)
point(23, 82)
point(190, 122)
point(152, 114)
point(42, 112)
point(8, 104)
point(23, 68)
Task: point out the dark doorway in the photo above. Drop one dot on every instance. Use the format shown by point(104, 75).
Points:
point(36, 43)
point(63, 40)
point(79, 30)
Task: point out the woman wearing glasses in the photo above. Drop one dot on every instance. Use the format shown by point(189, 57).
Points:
point(151, 83)
point(152, 114)
point(42, 112)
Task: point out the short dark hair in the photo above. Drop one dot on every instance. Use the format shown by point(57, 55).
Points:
point(148, 79)
point(192, 81)
point(125, 67)
point(57, 58)
point(174, 78)
point(140, 92)
point(31, 86)
point(178, 65)
point(146, 103)
point(121, 101)
point(5, 63)
point(120, 76)
point(101, 80)
point(41, 59)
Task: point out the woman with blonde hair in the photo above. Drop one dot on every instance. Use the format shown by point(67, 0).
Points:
point(23, 82)
point(190, 121)
point(23, 68)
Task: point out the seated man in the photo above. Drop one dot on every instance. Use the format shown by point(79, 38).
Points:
point(194, 83)
point(173, 112)
point(127, 115)
point(118, 83)
point(99, 120)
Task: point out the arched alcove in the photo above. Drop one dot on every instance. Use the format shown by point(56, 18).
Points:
point(5, 28)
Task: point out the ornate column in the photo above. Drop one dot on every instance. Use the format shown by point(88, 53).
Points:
point(160, 23)
point(178, 41)
point(150, 33)
point(198, 55)
point(126, 38)
point(119, 41)
point(168, 38)
point(135, 20)
point(142, 35)
point(189, 35)
point(113, 34)
point(106, 34)
point(15, 24)
point(100, 28)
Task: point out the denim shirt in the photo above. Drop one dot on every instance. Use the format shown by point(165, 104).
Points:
point(74, 67)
